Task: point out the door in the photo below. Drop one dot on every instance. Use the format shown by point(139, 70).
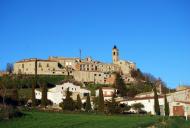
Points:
point(178, 111)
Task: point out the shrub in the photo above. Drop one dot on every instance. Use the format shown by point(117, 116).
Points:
point(9, 112)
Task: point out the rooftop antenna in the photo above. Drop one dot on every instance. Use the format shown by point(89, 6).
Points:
point(80, 53)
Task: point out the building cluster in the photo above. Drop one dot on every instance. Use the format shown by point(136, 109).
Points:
point(83, 70)
point(91, 71)
point(179, 101)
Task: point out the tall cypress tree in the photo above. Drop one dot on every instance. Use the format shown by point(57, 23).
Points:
point(33, 92)
point(156, 102)
point(166, 106)
point(44, 94)
point(68, 103)
point(120, 85)
point(88, 104)
point(15, 96)
point(79, 102)
point(101, 101)
point(112, 107)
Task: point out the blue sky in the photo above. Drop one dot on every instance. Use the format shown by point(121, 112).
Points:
point(153, 33)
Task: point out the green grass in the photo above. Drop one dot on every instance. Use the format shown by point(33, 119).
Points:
point(61, 120)
point(177, 122)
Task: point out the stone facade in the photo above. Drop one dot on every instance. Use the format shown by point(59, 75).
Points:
point(83, 70)
point(45, 67)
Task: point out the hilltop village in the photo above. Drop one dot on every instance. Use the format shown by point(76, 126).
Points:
point(60, 83)
point(83, 70)
point(95, 72)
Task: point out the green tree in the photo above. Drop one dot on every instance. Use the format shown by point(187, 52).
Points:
point(120, 85)
point(112, 107)
point(33, 92)
point(166, 106)
point(79, 103)
point(14, 94)
point(101, 101)
point(124, 108)
point(137, 106)
point(88, 104)
point(68, 103)
point(15, 97)
point(156, 102)
point(44, 94)
point(95, 103)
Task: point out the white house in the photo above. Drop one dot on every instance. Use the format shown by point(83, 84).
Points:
point(57, 94)
point(107, 92)
point(148, 103)
point(179, 102)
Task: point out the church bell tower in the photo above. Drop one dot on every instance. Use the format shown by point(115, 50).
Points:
point(115, 55)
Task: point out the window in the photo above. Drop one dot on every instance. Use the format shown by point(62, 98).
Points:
point(85, 94)
point(113, 53)
point(96, 68)
point(40, 65)
point(22, 65)
point(99, 74)
point(47, 65)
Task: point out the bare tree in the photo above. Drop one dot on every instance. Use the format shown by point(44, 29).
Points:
point(9, 68)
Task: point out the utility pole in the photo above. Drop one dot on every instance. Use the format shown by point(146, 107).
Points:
point(80, 53)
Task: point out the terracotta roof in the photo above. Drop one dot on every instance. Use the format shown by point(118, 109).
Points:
point(62, 58)
point(33, 60)
point(143, 98)
point(144, 93)
point(185, 102)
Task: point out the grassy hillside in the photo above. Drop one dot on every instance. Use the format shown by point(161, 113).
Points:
point(60, 120)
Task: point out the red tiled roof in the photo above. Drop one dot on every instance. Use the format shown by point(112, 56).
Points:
point(33, 60)
point(143, 98)
point(185, 102)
